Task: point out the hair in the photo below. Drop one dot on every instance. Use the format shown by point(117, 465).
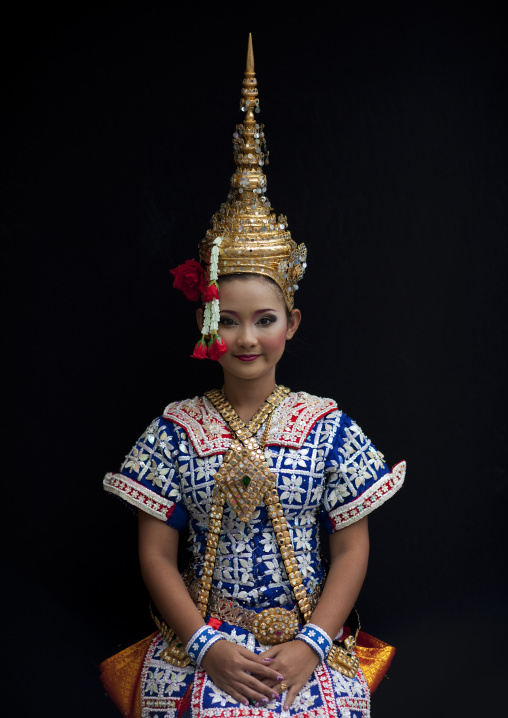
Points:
point(251, 275)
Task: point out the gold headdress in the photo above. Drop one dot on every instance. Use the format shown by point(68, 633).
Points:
point(246, 235)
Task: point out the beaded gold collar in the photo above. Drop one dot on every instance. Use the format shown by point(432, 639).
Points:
point(244, 477)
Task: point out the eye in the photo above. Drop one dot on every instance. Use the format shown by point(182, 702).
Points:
point(267, 320)
point(227, 321)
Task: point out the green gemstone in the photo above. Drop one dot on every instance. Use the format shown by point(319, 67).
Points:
point(246, 480)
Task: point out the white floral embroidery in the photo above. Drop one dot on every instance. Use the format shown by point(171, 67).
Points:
point(296, 458)
point(157, 473)
point(338, 494)
point(219, 697)
point(237, 637)
point(292, 489)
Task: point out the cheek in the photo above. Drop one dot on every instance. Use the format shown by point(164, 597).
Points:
point(276, 341)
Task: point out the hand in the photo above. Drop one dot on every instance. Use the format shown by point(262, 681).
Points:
point(241, 673)
point(296, 661)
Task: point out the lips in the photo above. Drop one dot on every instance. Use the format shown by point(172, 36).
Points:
point(247, 357)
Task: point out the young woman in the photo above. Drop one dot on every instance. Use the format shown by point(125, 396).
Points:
point(252, 470)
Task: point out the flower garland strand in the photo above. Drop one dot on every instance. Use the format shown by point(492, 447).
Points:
point(216, 345)
point(190, 278)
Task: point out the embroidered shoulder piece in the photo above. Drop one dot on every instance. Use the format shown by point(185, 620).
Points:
point(291, 423)
point(203, 424)
point(293, 420)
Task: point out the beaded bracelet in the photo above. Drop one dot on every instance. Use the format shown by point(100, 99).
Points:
point(202, 640)
point(316, 638)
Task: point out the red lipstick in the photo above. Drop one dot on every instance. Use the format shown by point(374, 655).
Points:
point(246, 357)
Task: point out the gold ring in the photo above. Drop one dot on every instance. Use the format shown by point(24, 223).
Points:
point(283, 686)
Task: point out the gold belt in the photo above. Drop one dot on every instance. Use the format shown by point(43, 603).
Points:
point(270, 626)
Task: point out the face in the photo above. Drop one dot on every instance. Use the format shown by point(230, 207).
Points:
point(255, 327)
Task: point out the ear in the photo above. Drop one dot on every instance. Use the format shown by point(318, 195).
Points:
point(199, 318)
point(293, 323)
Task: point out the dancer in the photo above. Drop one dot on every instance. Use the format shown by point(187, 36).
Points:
point(256, 624)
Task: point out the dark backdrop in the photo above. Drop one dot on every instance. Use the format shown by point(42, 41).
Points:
point(387, 131)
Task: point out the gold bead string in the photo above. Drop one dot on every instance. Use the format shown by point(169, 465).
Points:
point(241, 430)
point(246, 450)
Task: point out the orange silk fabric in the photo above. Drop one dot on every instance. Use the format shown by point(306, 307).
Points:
point(375, 658)
point(121, 674)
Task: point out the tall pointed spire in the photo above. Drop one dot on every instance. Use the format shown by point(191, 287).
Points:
point(250, 56)
point(249, 144)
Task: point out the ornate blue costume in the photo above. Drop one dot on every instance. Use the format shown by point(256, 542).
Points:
point(327, 472)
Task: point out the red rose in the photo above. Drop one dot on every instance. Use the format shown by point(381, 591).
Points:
point(216, 347)
point(200, 350)
point(190, 279)
point(211, 292)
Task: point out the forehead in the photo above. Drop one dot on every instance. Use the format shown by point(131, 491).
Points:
point(250, 289)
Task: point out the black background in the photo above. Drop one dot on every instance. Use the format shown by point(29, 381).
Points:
point(387, 130)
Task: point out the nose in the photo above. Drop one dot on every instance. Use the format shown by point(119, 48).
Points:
point(247, 337)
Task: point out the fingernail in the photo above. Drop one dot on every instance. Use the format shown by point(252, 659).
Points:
point(265, 699)
point(280, 678)
point(246, 703)
point(276, 696)
point(286, 707)
point(268, 659)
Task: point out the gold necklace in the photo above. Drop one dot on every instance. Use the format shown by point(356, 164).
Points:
point(244, 481)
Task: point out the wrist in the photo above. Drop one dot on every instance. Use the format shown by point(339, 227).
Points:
point(201, 642)
point(316, 638)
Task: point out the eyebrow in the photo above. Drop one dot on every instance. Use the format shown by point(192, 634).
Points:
point(259, 311)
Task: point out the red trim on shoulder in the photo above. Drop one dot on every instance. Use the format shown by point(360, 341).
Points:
point(291, 422)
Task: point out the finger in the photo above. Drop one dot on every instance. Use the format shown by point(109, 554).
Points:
point(291, 695)
point(252, 688)
point(262, 658)
point(248, 697)
point(271, 652)
point(263, 671)
point(238, 697)
point(274, 685)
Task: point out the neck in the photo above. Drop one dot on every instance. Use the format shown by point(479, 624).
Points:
point(247, 396)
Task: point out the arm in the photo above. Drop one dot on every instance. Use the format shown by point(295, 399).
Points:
point(349, 552)
point(231, 667)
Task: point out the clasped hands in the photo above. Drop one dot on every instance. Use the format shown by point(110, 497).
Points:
point(251, 678)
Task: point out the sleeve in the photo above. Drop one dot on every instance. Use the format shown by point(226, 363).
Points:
point(357, 477)
point(149, 479)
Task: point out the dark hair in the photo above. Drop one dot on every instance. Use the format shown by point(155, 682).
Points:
point(250, 275)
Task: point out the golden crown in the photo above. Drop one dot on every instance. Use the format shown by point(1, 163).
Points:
point(249, 235)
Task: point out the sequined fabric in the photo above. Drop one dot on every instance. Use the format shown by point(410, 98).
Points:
point(335, 477)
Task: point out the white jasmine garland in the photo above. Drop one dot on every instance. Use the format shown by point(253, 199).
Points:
point(211, 316)
point(214, 258)
point(211, 313)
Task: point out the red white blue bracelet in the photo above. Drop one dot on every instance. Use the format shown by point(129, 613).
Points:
point(200, 642)
point(316, 638)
